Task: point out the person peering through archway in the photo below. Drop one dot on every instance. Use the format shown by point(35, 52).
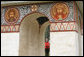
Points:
point(47, 47)
point(47, 38)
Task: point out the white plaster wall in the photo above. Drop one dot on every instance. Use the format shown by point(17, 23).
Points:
point(80, 38)
point(64, 44)
point(81, 45)
point(61, 44)
point(9, 44)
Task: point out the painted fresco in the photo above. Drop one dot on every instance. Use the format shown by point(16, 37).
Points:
point(59, 11)
point(34, 8)
point(12, 15)
point(42, 8)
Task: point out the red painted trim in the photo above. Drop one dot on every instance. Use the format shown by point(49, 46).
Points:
point(50, 31)
point(63, 22)
point(13, 27)
point(64, 27)
point(63, 30)
point(71, 26)
point(19, 28)
point(10, 32)
point(32, 13)
point(4, 28)
point(10, 25)
point(50, 22)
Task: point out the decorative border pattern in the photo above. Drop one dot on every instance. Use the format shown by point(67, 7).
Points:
point(63, 26)
point(54, 27)
point(9, 28)
point(68, 24)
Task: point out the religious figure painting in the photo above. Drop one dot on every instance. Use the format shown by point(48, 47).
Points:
point(59, 11)
point(12, 15)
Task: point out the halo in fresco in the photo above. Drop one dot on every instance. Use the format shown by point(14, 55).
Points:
point(12, 15)
point(59, 11)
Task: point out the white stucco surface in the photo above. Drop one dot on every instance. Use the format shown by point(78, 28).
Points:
point(81, 45)
point(61, 44)
point(9, 44)
point(64, 44)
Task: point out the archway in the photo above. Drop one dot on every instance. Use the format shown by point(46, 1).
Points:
point(32, 36)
